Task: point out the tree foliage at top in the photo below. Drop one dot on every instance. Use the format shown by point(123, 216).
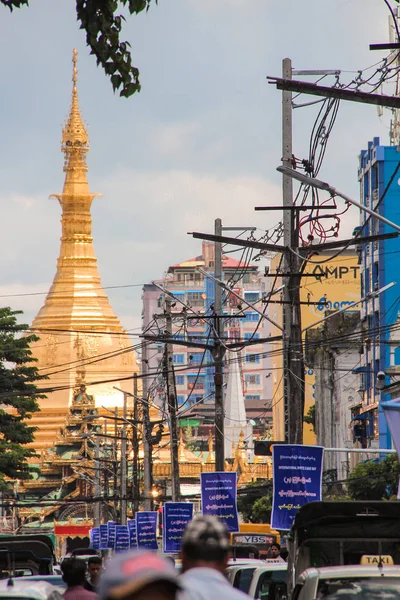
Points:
point(372, 480)
point(18, 375)
point(103, 24)
point(255, 502)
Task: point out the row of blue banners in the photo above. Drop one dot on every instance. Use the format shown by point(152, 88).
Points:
point(297, 480)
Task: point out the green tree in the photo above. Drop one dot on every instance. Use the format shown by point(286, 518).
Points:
point(254, 500)
point(310, 417)
point(372, 480)
point(103, 24)
point(17, 396)
point(261, 511)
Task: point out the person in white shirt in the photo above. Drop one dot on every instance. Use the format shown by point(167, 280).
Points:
point(205, 555)
point(274, 553)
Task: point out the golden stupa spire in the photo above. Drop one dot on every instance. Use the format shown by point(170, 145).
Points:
point(75, 141)
point(76, 322)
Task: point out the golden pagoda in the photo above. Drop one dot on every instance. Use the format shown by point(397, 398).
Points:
point(79, 331)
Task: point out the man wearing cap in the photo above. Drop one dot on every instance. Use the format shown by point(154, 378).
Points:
point(139, 575)
point(205, 555)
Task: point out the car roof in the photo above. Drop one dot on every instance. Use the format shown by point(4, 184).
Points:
point(350, 571)
point(39, 590)
point(243, 562)
point(271, 567)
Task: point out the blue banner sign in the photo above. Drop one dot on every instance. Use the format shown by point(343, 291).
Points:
point(297, 480)
point(121, 538)
point(176, 515)
point(132, 533)
point(103, 537)
point(146, 528)
point(218, 497)
point(94, 536)
point(111, 534)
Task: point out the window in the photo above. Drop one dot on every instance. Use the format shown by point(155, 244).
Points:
point(251, 336)
point(180, 380)
point(196, 358)
point(194, 296)
point(252, 358)
point(179, 359)
point(251, 296)
point(181, 400)
point(252, 379)
point(178, 336)
point(195, 382)
point(252, 397)
point(251, 316)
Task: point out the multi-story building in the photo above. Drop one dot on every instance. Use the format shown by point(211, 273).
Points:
point(331, 282)
point(380, 191)
point(194, 294)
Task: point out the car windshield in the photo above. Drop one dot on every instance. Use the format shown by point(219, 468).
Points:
point(373, 588)
point(243, 579)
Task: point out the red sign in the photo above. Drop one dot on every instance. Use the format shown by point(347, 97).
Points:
point(72, 530)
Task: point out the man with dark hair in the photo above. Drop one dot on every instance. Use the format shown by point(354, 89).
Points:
point(74, 575)
point(95, 567)
point(205, 555)
point(274, 553)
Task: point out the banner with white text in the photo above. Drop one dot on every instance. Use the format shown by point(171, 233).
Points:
point(297, 480)
point(176, 515)
point(218, 497)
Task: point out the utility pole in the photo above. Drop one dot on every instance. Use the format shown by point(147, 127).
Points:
point(147, 447)
point(218, 355)
point(293, 361)
point(172, 402)
point(97, 487)
point(135, 446)
point(123, 463)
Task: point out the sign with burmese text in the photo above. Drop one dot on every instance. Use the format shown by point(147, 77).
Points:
point(121, 538)
point(297, 481)
point(111, 534)
point(103, 536)
point(132, 533)
point(146, 529)
point(176, 515)
point(94, 536)
point(218, 497)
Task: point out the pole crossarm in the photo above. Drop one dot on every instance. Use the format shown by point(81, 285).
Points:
point(165, 340)
point(304, 87)
point(349, 242)
point(236, 241)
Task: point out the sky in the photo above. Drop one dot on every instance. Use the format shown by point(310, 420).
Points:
point(201, 141)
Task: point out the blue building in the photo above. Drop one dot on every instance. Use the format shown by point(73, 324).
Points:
point(380, 266)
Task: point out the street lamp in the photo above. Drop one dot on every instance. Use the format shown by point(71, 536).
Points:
point(326, 187)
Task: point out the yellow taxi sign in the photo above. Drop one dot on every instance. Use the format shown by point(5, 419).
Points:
point(375, 559)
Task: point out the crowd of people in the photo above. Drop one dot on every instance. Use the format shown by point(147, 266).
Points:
point(145, 575)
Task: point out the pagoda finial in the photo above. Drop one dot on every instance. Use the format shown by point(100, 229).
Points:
point(75, 140)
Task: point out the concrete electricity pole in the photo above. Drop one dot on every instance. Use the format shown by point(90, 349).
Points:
point(123, 464)
point(135, 447)
point(147, 447)
point(293, 361)
point(169, 375)
point(97, 487)
point(218, 355)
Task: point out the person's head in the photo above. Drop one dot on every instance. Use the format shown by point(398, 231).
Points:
point(138, 575)
point(205, 543)
point(73, 571)
point(274, 550)
point(95, 566)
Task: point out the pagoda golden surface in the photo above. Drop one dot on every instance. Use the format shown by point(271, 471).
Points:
point(80, 335)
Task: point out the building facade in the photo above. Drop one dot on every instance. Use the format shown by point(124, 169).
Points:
point(379, 187)
point(193, 295)
point(333, 282)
